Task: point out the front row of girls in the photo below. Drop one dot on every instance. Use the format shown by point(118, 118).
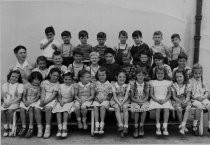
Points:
point(140, 96)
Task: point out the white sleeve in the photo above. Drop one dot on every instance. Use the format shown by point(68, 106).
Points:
point(20, 88)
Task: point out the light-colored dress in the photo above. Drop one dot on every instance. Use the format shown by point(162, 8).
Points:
point(67, 92)
point(31, 92)
point(120, 94)
point(10, 92)
point(160, 92)
point(139, 93)
point(102, 91)
point(92, 71)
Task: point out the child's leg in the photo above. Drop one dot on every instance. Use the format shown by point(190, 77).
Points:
point(58, 115)
point(179, 114)
point(125, 115)
point(136, 121)
point(157, 115)
point(183, 124)
point(65, 120)
point(48, 117)
point(96, 119)
point(84, 116)
point(77, 112)
point(118, 117)
point(141, 125)
point(4, 119)
point(23, 117)
point(38, 118)
point(11, 112)
point(165, 123)
point(102, 116)
point(208, 108)
point(31, 121)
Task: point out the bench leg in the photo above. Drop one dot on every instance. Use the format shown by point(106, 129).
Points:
point(92, 122)
point(201, 124)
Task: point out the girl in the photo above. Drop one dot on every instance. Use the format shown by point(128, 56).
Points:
point(65, 103)
point(120, 101)
point(41, 62)
point(49, 92)
point(93, 68)
point(199, 95)
point(84, 94)
point(161, 93)
point(103, 91)
point(11, 95)
point(181, 94)
point(139, 98)
point(31, 95)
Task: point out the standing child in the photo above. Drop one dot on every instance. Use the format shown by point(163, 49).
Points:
point(41, 63)
point(161, 93)
point(138, 47)
point(85, 48)
point(175, 50)
point(181, 97)
point(120, 101)
point(48, 45)
point(93, 68)
point(65, 103)
point(48, 100)
point(12, 92)
point(199, 95)
point(159, 46)
point(110, 64)
point(122, 47)
point(32, 93)
point(77, 65)
point(67, 48)
point(101, 47)
point(103, 90)
point(139, 98)
point(84, 94)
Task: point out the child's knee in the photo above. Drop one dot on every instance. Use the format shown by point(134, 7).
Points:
point(48, 110)
point(103, 108)
point(125, 107)
point(166, 110)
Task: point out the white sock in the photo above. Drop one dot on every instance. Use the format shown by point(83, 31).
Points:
point(65, 125)
point(23, 126)
point(183, 124)
point(165, 125)
point(97, 124)
point(47, 126)
point(79, 119)
point(60, 126)
point(158, 125)
point(120, 125)
point(195, 122)
point(135, 125)
point(126, 125)
point(5, 126)
point(141, 124)
point(31, 126)
point(10, 126)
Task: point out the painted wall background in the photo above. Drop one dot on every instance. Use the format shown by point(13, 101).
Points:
point(23, 22)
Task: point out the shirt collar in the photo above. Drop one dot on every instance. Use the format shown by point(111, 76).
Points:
point(139, 44)
point(116, 84)
point(140, 84)
point(25, 64)
point(84, 85)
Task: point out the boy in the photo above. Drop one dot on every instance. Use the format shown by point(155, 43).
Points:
point(175, 50)
point(110, 64)
point(48, 45)
point(77, 65)
point(57, 60)
point(122, 47)
point(182, 61)
point(138, 47)
point(159, 46)
point(101, 47)
point(84, 47)
point(67, 48)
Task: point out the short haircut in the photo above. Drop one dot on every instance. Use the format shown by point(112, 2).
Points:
point(157, 33)
point(49, 29)
point(144, 52)
point(101, 35)
point(94, 53)
point(175, 36)
point(35, 75)
point(137, 34)
point(109, 50)
point(83, 33)
point(158, 55)
point(77, 51)
point(56, 53)
point(102, 69)
point(17, 72)
point(82, 72)
point(17, 48)
point(123, 33)
point(66, 33)
point(182, 56)
point(41, 58)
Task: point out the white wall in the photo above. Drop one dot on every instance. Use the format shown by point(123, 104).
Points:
point(24, 22)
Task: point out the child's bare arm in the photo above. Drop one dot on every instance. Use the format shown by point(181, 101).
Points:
point(146, 95)
point(175, 97)
point(205, 96)
point(43, 46)
point(51, 97)
point(188, 96)
point(76, 93)
point(126, 95)
point(59, 97)
point(153, 95)
point(92, 94)
point(168, 94)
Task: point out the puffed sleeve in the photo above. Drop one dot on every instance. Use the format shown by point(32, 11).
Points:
point(20, 88)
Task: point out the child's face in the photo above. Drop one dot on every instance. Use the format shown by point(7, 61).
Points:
point(21, 55)
point(102, 76)
point(182, 62)
point(54, 77)
point(143, 58)
point(123, 39)
point(121, 78)
point(197, 74)
point(94, 59)
point(67, 80)
point(14, 78)
point(50, 35)
point(137, 40)
point(179, 78)
point(85, 78)
point(109, 58)
point(83, 40)
point(140, 77)
point(176, 41)
point(42, 65)
point(36, 82)
point(78, 58)
point(157, 38)
point(101, 41)
point(158, 62)
point(57, 59)
point(160, 75)
point(126, 60)
point(66, 39)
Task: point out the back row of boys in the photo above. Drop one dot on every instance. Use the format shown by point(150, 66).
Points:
point(139, 54)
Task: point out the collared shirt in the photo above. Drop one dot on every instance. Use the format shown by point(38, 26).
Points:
point(160, 48)
point(198, 88)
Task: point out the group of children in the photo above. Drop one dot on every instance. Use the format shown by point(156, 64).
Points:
point(71, 79)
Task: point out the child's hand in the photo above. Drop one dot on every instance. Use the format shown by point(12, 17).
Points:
point(50, 40)
point(6, 105)
point(26, 103)
point(161, 102)
point(54, 47)
point(61, 103)
point(41, 104)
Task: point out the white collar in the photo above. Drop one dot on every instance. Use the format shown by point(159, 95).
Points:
point(116, 84)
point(80, 84)
point(140, 84)
point(139, 44)
point(107, 82)
point(25, 64)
